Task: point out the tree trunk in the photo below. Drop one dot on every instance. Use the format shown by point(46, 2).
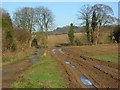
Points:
point(92, 36)
point(46, 36)
point(30, 42)
point(97, 35)
point(88, 36)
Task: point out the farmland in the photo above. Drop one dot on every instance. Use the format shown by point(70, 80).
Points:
point(81, 61)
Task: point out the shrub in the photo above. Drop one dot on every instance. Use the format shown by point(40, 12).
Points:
point(71, 34)
point(22, 36)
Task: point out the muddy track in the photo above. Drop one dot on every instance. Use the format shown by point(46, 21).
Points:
point(71, 76)
point(12, 72)
point(101, 74)
point(108, 68)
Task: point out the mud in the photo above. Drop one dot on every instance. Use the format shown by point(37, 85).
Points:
point(100, 73)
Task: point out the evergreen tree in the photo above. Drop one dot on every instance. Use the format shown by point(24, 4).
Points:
point(71, 34)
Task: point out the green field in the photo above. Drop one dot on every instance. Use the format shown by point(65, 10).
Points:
point(45, 73)
point(109, 57)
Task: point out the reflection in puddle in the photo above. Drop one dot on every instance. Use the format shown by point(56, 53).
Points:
point(67, 62)
point(34, 60)
point(73, 66)
point(53, 50)
point(86, 81)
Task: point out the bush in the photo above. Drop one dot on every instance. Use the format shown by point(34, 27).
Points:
point(13, 47)
point(116, 34)
point(71, 34)
point(22, 36)
point(7, 32)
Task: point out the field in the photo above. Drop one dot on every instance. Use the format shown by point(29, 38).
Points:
point(105, 52)
point(54, 40)
point(65, 67)
point(82, 62)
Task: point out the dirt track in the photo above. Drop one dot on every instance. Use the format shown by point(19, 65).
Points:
point(101, 74)
point(14, 71)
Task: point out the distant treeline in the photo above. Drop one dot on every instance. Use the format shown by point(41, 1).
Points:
point(78, 29)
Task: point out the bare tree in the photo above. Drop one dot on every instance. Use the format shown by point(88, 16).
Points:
point(39, 19)
point(84, 16)
point(48, 18)
point(44, 20)
point(24, 19)
point(104, 17)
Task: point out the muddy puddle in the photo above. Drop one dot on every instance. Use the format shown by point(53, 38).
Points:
point(67, 62)
point(73, 66)
point(97, 66)
point(19, 69)
point(53, 50)
point(34, 60)
point(86, 81)
point(60, 50)
point(36, 53)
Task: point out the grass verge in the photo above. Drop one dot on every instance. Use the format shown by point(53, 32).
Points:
point(45, 73)
point(14, 57)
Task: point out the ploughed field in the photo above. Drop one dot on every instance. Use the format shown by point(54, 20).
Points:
point(83, 67)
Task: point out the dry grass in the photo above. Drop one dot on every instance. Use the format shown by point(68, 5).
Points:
point(9, 57)
point(54, 40)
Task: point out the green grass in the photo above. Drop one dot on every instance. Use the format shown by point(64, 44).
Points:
point(110, 57)
point(45, 73)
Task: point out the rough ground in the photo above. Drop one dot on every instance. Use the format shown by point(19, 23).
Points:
point(75, 63)
point(12, 71)
point(102, 74)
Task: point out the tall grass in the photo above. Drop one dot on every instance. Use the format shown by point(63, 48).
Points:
point(10, 57)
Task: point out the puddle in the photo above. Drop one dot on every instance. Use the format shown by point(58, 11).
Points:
point(73, 66)
point(97, 66)
point(86, 81)
point(4, 71)
point(53, 50)
point(36, 54)
point(67, 62)
point(60, 50)
point(19, 69)
point(34, 60)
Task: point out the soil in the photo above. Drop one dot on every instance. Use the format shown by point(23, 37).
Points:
point(102, 74)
